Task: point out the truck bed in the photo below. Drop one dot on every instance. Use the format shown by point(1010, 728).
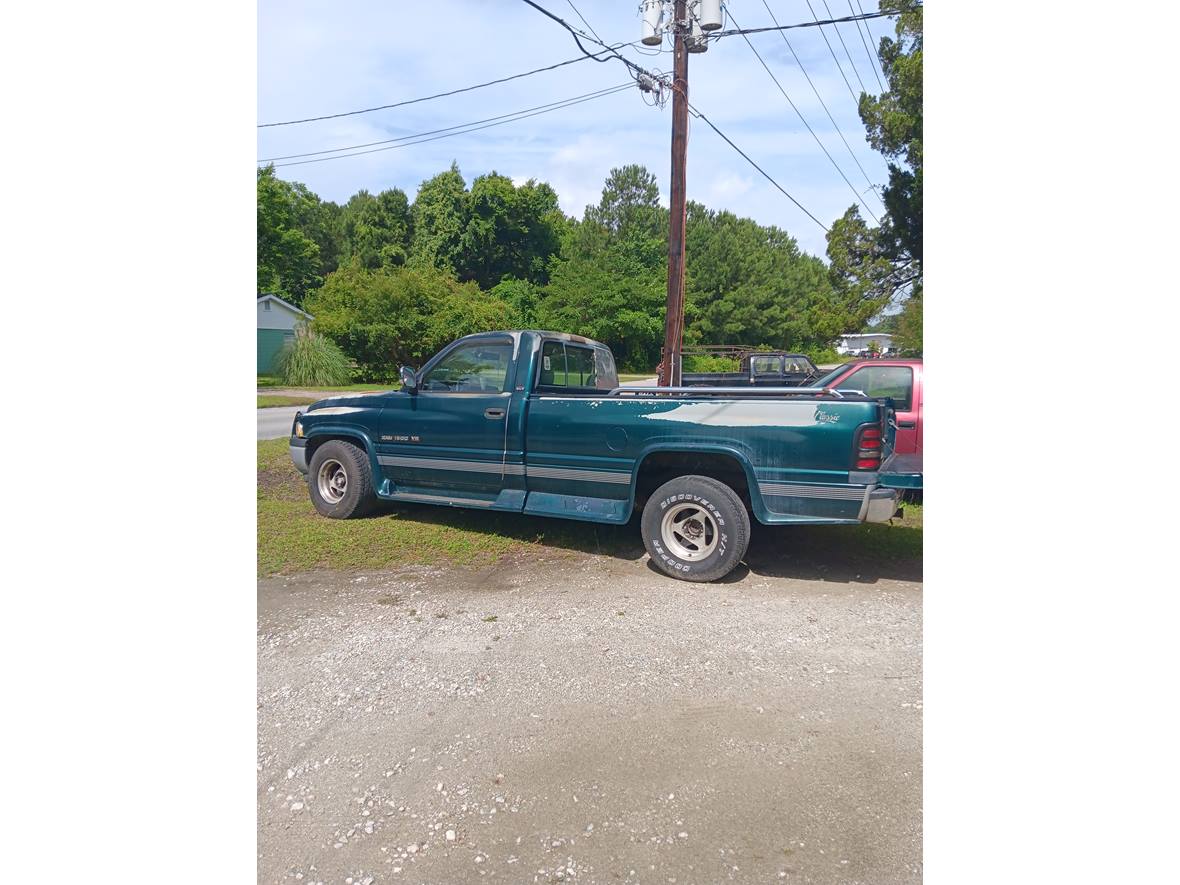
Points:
point(736, 379)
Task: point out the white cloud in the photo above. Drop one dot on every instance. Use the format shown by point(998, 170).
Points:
point(316, 59)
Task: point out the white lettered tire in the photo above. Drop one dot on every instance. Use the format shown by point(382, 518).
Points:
point(695, 528)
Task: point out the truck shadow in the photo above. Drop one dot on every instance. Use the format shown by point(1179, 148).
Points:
point(861, 554)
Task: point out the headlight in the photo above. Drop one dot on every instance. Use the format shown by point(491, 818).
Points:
point(299, 429)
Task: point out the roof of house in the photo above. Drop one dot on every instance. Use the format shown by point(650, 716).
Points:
point(270, 296)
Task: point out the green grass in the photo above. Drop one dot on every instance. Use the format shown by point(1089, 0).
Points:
point(629, 376)
point(269, 401)
point(292, 537)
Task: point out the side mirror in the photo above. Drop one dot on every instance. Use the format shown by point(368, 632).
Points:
point(409, 379)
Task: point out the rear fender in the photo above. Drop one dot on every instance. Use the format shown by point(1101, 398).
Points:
point(733, 452)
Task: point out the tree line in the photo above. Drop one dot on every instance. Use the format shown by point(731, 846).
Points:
point(391, 281)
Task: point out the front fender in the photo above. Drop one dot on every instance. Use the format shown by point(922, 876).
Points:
point(319, 434)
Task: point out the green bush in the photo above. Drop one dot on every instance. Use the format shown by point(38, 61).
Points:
point(703, 363)
point(311, 360)
point(389, 317)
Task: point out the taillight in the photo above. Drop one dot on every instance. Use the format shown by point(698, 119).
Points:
point(868, 447)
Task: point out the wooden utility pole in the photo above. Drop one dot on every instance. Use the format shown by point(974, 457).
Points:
point(674, 318)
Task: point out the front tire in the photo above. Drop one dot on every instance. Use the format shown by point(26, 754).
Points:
point(695, 528)
point(340, 481)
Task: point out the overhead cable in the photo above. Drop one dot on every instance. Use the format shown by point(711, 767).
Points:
point(803, 120)
point(696, 113)
point(461, 129)
point(822, 103)
point(399, 104)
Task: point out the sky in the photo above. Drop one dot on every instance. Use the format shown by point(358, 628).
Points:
point(316, 58)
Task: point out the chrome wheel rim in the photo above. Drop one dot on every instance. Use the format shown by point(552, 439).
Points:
point(332, 481)
point(689, 532)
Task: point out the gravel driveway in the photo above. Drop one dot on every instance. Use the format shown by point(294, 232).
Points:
point(583, 719)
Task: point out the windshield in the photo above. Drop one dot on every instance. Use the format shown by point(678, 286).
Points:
point(827, 379)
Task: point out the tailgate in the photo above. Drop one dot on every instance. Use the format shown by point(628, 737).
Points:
point(901, 472)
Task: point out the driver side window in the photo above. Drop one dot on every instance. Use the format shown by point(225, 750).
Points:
point(479, 367)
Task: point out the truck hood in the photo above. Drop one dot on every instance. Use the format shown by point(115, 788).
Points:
point(343, 405)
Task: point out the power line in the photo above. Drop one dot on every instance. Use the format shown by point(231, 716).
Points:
point(399, 104)
point(859, 26)
point(827, 154)
point(353, 147)
point(840, 37)
point(696, 113)
point(465, 128)
point(839, 67)
point(583, 18)
point(816, 22)
point(636, 70)
point(822, 103)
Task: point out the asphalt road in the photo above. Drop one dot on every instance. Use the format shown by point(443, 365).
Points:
point(276, 422)
point(582, 718)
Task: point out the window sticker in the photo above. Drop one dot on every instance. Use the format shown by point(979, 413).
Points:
point(545, 363)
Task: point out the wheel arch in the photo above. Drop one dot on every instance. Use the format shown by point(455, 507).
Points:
point(728, 464)
point(343, 433)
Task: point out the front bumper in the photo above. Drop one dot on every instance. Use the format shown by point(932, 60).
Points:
point(299, 454)
point(881, 505)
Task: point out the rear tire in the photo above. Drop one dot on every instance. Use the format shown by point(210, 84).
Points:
point(695, 528)
point(340, 480)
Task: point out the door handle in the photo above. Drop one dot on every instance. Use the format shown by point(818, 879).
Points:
point(907, 425)
point(493, 413)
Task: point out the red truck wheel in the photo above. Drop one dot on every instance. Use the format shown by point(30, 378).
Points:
point(695, 528)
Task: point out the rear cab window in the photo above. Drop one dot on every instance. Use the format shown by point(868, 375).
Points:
point(576, 368)
point(766, 365)
point(880, 381)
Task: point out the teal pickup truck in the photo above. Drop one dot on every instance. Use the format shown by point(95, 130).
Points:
point(536, 422)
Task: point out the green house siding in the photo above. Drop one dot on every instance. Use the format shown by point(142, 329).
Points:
point(270, 342)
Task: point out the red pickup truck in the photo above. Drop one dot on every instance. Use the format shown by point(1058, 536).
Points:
point(900, 379)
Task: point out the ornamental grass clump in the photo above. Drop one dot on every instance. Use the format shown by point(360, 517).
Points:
point(311, 360)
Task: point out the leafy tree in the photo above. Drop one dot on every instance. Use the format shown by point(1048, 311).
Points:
point(390, 316)
point(288, 259)
point(522, 298)
point(749, 284)
point(509, 232)
point(909, 325)
point(438, 217)
point(376, 230)
point(875, 267)
point(629, 217)
point(611, 298)
point(894, 123)
point(611, 279)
